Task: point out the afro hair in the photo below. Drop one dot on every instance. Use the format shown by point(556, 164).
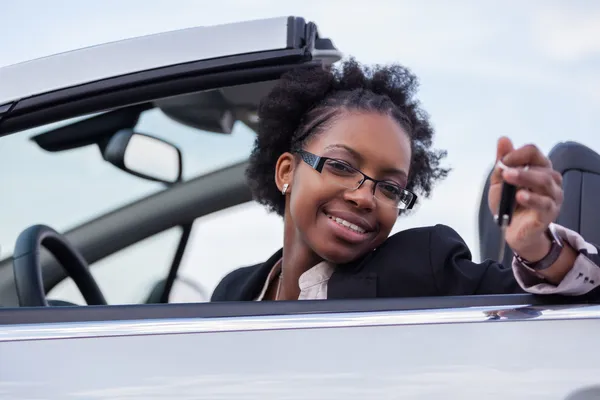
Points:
point(305, 100)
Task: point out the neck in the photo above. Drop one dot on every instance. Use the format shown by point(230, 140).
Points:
point(297, 259)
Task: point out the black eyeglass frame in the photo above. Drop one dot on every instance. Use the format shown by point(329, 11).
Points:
point(318, 162)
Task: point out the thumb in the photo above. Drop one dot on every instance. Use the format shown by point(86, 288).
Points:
point(504, 147)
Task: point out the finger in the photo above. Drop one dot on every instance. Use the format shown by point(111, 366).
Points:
point(527, 155)
point(539, 180)
point(503, 147)
point(538, 202)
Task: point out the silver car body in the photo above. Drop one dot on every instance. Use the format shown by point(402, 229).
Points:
point(496, 347)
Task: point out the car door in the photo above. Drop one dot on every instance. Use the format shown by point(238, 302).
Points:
point(400, 348)
point(516, 346)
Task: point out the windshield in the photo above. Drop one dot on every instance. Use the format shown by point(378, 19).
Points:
point(66, 188)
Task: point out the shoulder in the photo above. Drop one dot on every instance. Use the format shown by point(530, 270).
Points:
point(429, 245)
point(231, 285)
point(434, 261)
point(438, 235)
point(422, 245)
point(245, 283)
point(408, 262)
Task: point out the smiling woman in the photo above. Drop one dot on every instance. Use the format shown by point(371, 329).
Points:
point(362, 134)
point(341, 152)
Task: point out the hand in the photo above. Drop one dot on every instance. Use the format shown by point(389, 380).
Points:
point(538, 200)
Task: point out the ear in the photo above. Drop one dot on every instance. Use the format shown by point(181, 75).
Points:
point(284, 171)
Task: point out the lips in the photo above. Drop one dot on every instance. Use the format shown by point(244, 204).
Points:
point(351, 221)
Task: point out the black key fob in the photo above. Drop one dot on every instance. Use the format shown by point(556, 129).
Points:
point(507, 204)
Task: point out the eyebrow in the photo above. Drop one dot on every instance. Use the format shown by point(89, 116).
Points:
point(350, 150)
point(357, 155)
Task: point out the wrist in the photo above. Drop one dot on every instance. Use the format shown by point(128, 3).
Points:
point(554, 263)
point(535, 250)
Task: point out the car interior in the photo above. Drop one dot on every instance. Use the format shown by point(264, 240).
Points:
point(212, 111)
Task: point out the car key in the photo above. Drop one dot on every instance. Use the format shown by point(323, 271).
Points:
point(505, 210)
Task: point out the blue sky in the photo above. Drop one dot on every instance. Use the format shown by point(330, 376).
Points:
point(528, 70)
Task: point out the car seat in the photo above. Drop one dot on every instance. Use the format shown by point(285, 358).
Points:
point(580, 168)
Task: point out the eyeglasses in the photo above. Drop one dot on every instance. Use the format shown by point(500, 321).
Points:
point(341, 173)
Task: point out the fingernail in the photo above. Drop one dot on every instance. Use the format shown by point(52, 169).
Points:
point(525, 196)
point(511, 173)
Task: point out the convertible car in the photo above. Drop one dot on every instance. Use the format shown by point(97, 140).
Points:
point(121, 155)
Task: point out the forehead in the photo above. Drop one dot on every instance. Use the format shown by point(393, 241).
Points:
point(378, 138)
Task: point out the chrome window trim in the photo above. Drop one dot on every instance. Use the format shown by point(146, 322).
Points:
point(76, 330)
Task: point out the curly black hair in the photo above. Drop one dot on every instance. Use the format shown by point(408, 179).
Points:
point(306, 100)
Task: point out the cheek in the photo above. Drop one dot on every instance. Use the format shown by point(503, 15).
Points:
point(308, 195)
point(305, 198)
point(387, 219)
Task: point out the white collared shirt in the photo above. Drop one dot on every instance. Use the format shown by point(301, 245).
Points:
point(312, 283)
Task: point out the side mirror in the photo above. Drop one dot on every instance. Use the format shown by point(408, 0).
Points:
point(144, 156)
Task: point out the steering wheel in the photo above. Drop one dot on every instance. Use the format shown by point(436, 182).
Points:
point(28, 269)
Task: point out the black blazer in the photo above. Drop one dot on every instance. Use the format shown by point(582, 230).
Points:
point(429, 261)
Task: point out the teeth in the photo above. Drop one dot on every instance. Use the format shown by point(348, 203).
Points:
point(347, 224)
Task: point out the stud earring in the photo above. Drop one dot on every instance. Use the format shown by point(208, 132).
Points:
point(285, 188)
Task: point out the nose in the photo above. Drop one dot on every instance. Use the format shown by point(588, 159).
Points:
point(363, 196)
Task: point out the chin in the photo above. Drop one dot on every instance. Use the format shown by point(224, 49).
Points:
point(340, 254)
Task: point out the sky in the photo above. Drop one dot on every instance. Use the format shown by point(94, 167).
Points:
point(527, 70)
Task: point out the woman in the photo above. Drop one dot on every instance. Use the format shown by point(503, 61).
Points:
point(340, 153)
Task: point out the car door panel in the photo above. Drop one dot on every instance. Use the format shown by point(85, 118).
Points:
point(456, 353)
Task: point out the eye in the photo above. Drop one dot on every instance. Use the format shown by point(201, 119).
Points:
point(339, 167)
point(390, 190)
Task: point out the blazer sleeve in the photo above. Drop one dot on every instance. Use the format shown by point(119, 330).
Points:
point(583, 278)
point(455, 272)
point(230, 286)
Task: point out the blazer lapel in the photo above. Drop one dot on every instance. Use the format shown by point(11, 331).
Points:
point(348, 281)
point(353, 281)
